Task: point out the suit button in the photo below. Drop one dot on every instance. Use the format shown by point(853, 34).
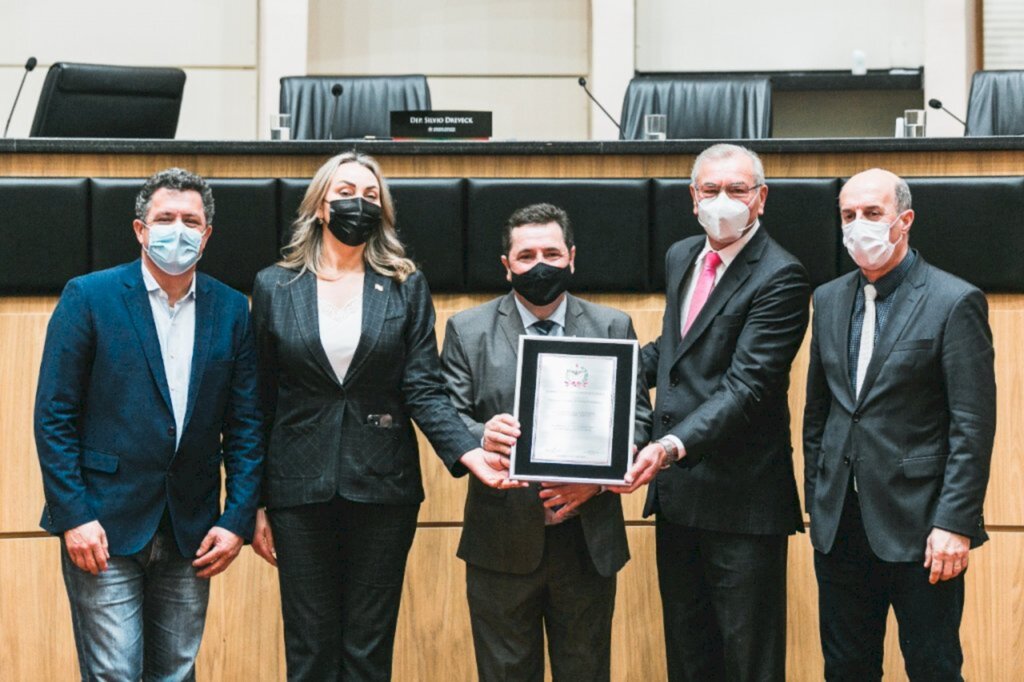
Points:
point(170, 431)
point(846, 461)
point(666, 419)
point(856, 417)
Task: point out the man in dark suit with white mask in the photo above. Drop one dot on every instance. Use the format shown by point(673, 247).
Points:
point(736, 313)
point(898, 432)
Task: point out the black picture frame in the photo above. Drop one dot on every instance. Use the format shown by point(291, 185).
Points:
point(626, 354)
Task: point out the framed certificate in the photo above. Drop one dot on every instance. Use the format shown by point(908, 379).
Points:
point(575, 400)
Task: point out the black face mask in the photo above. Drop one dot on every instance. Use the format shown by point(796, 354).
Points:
point(542, 283)
point(353, 220)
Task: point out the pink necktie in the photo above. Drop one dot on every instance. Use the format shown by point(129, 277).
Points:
point(705, 284)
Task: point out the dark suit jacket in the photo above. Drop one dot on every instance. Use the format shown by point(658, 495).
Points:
point(321, 439)
point(104, 426)
point(504, 529)
point(920, 435)
point(722, 391)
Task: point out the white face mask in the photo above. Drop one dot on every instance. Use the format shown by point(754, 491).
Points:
point(174, 248)
point(723, 218)
point(868, 242)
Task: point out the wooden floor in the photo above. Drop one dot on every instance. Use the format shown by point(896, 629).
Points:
point(243, 635)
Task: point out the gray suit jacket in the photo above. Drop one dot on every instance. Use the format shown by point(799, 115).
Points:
point(723, 391)
point(504, 529)
point(919, 437)
point(322, 439)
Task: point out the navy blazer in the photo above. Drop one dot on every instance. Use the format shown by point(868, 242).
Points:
point(104, 428)
point(353, 437)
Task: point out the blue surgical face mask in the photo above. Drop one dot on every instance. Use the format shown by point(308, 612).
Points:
point(174, 248)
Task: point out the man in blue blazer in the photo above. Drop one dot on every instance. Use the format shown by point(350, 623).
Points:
point(148, 385)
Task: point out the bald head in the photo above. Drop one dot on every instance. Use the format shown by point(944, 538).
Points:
point(881, 184)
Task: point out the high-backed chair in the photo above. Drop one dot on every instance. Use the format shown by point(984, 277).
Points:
point(699, 107)
point(996, 105)
point(363, 108)
point(96, 100)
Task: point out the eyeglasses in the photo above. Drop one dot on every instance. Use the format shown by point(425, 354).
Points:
point(740, 192)
point(189, 222)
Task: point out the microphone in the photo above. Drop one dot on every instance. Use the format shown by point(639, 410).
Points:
point(336, 91)
point(583, 84)
point(29, 65)
point(936, 104)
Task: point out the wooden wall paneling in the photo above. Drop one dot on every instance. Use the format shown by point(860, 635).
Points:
point(1004, 504)
point(433, 641)
point(638, 636)
point(36, 640)
point(244, 637)
point(21, 348)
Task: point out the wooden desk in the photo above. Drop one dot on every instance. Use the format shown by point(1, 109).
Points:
point(782, 158)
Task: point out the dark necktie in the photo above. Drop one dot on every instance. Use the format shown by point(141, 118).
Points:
point(544, 327)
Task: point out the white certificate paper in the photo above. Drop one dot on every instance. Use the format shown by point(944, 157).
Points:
point(573, 409)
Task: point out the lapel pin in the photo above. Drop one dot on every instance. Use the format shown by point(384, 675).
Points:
point(378, 287)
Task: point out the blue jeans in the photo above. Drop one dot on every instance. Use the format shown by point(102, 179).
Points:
point(142, 618)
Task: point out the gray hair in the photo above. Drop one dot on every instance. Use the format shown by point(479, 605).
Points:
point(724, 151)
point(902, 195)
point(179, 180)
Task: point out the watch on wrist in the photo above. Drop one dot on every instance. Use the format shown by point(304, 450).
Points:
point(671, 450)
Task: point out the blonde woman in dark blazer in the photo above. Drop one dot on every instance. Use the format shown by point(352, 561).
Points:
point(348, 360)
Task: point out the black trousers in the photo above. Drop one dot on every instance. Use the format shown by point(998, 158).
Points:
point(565, 596)
point(341, 566)
point(855, 590)
point(723, 602)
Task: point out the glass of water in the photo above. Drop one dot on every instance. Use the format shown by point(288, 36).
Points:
point(655, 126)
point(280, 126)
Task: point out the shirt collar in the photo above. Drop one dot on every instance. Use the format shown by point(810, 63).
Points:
point(152, 285)
point(558, 317)
point(728, 253)
point(889, 282)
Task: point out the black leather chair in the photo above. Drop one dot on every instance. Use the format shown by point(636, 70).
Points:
point(363, 108)
point(971, 227)
point(44, 225)
point(611, 225)
point(996, 104)
point(699, 107)
point(431, 218)
point(800, 214)
point(244, 238)
point(94, 100)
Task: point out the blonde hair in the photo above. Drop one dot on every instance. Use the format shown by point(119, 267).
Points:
point(384, 251)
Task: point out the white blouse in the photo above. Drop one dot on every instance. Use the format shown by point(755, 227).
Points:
point(340, 329)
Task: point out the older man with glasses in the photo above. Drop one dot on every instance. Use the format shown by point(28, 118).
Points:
point(736, 313)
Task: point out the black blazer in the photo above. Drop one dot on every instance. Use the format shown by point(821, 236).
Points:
point(723, 392)
point(919, 436)
point(504, 529)
point(322, 439)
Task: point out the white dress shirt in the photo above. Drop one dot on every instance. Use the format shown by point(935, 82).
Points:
point(528, 318)
point(340, 329)
point(728, 255)
point(176, 331)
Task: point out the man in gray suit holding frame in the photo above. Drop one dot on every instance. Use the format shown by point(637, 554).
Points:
point(898, 432)
point(538, 558)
